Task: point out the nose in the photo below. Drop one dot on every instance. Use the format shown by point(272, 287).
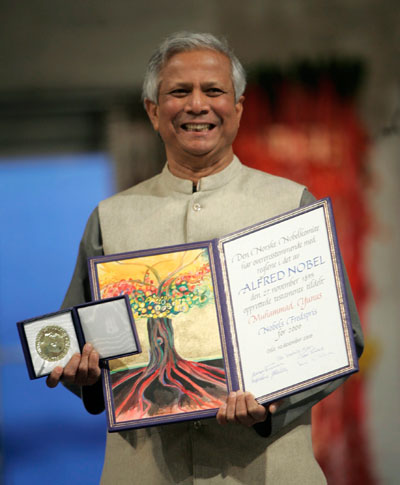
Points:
point(197, 103)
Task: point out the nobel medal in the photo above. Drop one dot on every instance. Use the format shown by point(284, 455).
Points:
point(52, 343)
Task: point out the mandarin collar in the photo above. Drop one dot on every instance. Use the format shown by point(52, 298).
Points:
point(212, 182)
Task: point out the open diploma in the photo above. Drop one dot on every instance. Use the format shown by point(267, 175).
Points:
point(263, 310)
point(286, 317)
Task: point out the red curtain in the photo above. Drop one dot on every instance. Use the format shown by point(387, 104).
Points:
point(314, 136)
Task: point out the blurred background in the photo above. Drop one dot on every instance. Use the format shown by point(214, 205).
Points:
point(322, 107)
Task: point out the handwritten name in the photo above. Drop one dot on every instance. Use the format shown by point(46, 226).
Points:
point(304, 301)
point(270, 313)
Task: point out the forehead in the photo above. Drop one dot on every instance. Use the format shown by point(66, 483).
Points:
point(204, 65)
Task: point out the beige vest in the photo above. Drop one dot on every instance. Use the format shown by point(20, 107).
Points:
point(164, 211)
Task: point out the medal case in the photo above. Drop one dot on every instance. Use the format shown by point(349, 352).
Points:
point(52, 339)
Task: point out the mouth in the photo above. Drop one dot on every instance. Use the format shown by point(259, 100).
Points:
point(197, 127)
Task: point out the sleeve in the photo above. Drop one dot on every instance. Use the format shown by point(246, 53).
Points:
point(79, 292)
point(91, 245)
point(294, 406)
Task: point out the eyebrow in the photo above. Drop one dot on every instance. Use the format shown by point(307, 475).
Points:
point(188, 85)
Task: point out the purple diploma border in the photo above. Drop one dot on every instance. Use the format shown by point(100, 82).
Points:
point(115, 424)
point(235, 378)
point(226, 322)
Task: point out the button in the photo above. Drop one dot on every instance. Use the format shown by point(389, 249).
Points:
point(197, 425)
point(196, 206)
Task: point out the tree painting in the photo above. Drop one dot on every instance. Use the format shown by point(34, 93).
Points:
point(160, 288)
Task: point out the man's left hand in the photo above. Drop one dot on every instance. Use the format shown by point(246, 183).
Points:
point(241, 407)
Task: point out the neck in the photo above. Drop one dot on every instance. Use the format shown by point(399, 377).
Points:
point(195, 170)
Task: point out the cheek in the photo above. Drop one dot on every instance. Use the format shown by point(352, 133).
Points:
point(172, 107)
point(226, 111)
point(169, 116)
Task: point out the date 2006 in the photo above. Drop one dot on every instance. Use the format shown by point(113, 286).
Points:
point(283, 331)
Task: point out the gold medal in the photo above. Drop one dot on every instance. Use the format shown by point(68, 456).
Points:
point(52, 343)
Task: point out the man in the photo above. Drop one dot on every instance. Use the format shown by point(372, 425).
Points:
point(193, 94)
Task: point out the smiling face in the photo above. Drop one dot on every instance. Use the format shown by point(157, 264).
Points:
point(196, 114)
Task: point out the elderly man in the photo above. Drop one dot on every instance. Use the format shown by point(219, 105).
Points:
point(193, 94)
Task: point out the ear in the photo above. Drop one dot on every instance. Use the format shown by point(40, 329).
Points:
point(239, 107)
point(152, 112)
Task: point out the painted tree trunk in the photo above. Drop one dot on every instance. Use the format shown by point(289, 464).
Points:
point(169, 383)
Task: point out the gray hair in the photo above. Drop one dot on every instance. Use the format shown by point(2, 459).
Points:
point(188, 41)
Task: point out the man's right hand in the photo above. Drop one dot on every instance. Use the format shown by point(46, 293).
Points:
point(81, 370)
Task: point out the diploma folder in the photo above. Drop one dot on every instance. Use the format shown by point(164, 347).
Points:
point(262, 310)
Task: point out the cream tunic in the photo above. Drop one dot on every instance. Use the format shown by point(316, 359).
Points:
point(165, 211)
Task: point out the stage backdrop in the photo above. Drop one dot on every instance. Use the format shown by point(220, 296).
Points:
point(46, 435)
point(301, 122)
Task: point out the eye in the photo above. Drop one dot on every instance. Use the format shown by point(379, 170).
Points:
point(213, 92)
point(179, 92)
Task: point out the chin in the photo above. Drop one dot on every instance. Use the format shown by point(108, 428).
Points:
point(201, 147)
point(199, 153)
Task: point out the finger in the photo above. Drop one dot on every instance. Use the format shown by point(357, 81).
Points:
point(82, 371)
point(54, 378)
point(221, 414)
point(70, 370)
point(94, 371)
point(231, 408)
point(257, 412)
point(242, 414)
point(275, 406)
